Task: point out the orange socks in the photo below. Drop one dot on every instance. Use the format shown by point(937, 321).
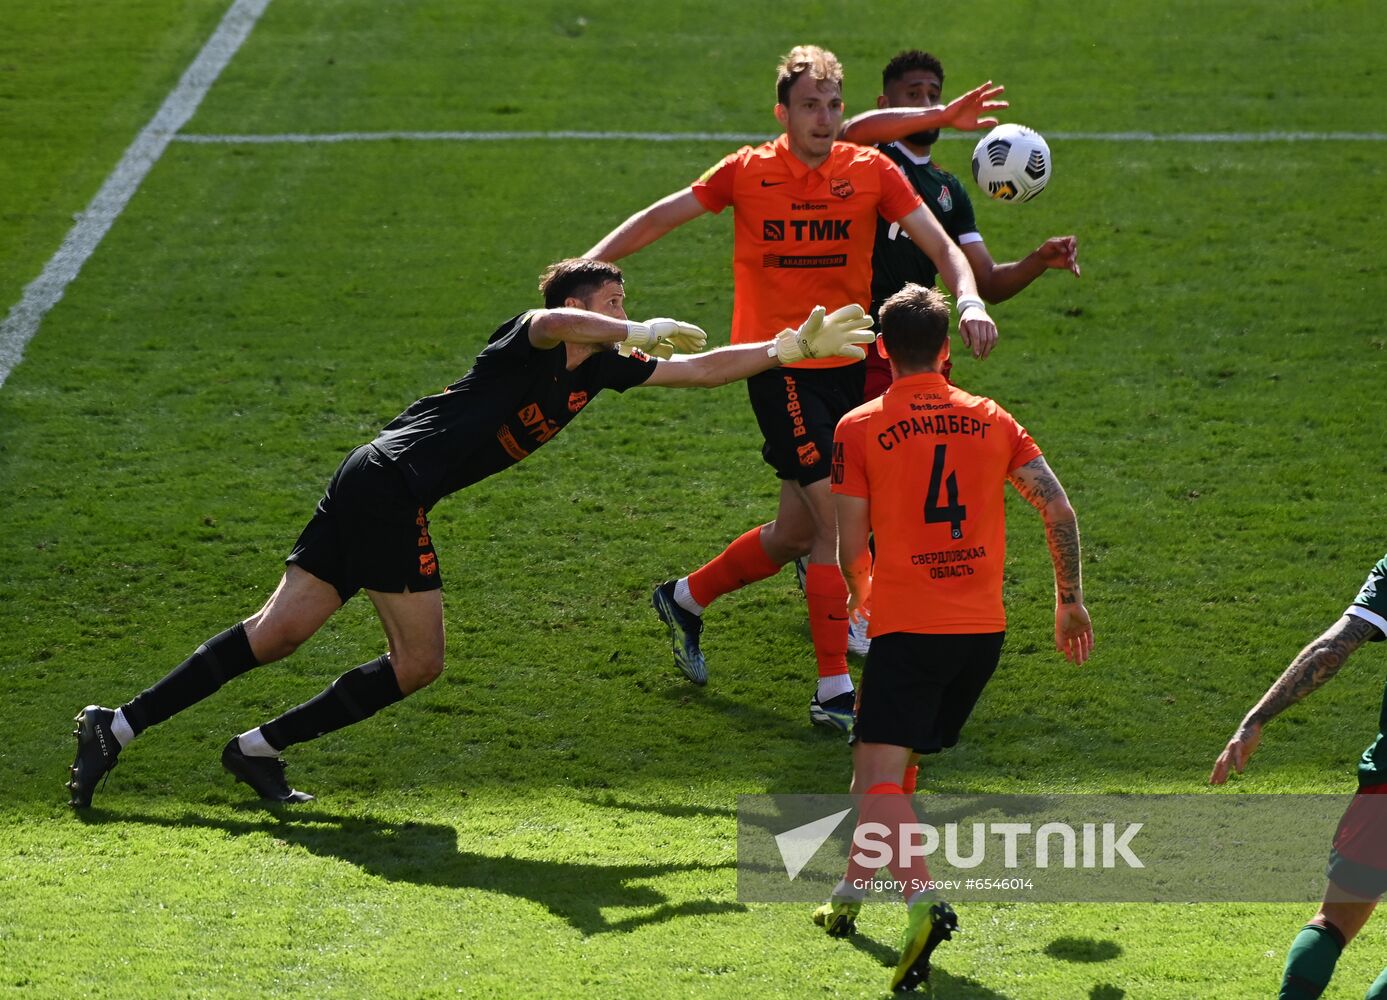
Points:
point(741, 563)
point(827, 596)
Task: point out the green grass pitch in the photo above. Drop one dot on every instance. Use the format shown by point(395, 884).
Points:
point(556, 816)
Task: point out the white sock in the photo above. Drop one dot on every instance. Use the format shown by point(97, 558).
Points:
point(843, 890)
point(120, 727)
point(253, 744)
point(683, 597)
point(832, 687)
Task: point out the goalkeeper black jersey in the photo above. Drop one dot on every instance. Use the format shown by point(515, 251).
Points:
point(515, 398)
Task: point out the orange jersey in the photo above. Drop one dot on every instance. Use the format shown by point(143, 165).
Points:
point(803, 237)
point(933, 460)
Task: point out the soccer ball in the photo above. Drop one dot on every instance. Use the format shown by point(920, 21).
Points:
point(1011, 163)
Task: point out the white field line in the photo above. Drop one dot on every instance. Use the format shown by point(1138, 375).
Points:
point(45, 291)
point(314, 137)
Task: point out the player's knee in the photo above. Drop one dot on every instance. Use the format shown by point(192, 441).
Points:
point(417, 670)
point(789, 541)
point(270, 641)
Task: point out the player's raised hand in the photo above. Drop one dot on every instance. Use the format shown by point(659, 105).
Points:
point(1060, 252)
point(976, 328)
point(964, 113)
point(1237, 752)
point(1073, 632)
point(840, 333)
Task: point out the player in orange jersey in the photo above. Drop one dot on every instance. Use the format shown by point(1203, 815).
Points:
point(805, 211)
point(922, 469)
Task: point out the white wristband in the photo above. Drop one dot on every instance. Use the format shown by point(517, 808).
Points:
point(639, 335)
point(969, 302)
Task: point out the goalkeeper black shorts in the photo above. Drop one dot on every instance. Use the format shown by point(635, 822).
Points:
point(368, 532)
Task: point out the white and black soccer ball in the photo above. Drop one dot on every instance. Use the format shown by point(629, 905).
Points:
point(1011, 163)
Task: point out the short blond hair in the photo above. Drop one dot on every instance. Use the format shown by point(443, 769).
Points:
point(819, 63)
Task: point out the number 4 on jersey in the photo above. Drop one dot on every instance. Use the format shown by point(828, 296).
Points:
point(954, 513)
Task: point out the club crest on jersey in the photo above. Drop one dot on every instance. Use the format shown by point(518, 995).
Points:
point(945, 199)
point(841, 187)
point(773, 229)
point(578, 400)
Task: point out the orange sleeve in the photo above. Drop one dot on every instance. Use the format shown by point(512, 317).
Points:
point(898, 198)
point(714, 189)
point(1023, 448)
point(848, 474)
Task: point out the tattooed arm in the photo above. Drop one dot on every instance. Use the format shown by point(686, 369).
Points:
point(1073, 629)
point(1316, 663)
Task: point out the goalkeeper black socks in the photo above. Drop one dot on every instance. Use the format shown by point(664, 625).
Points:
point(1310, 962)
point(358, 694)
point(216, 661)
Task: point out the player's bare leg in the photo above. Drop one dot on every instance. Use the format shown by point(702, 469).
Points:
point(300, 605)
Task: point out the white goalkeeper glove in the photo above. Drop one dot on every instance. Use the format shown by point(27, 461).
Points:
point(840, 333)
point(663, 338)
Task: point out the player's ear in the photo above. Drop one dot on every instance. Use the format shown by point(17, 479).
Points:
point(573, 302)
point(881, 346)
point(782, 115)
point(882, 102)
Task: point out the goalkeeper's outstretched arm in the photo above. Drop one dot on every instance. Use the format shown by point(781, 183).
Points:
point(550, 327)
point(840, 333)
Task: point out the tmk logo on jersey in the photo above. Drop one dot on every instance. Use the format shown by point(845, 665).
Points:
point(840, 187)
point(945, 199)
point(577, 400)
point(807, 229)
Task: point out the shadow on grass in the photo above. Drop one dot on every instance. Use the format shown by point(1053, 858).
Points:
point(427, 854)
point(1072, 949)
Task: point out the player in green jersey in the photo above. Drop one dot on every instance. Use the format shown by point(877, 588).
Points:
point(915, 79)
point(1358, 859)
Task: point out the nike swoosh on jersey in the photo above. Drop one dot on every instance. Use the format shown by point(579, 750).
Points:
point(770, 184)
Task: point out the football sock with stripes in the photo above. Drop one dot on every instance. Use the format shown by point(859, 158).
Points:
point(744, 561)
point(216, 661)
point(1310, 962)
point(358, 694)
point(827, 596)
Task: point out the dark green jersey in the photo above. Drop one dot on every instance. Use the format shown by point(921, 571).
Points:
point(896, 261)
point(1371, 606)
